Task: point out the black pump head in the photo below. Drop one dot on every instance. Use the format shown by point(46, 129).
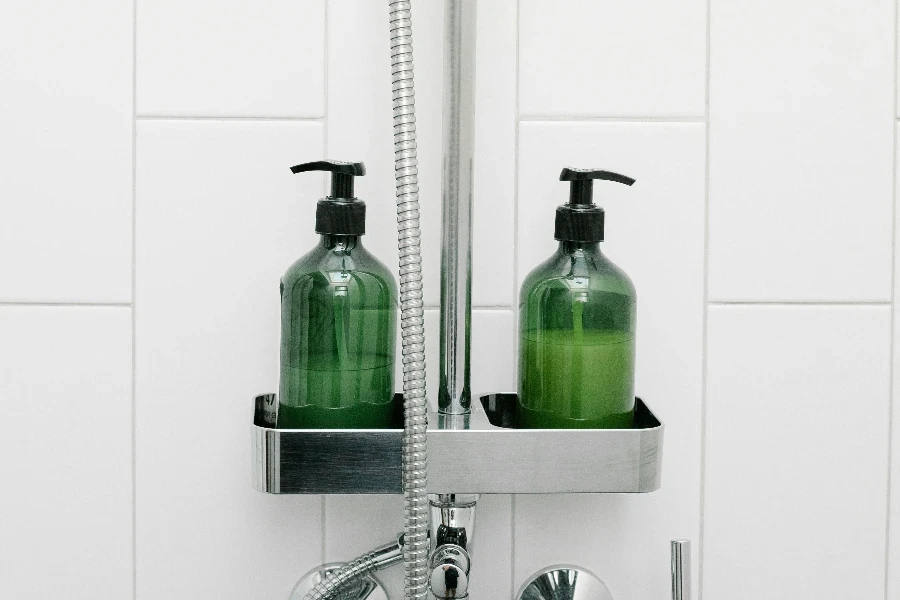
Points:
point(342, 174)
point(340, 213)
point(581, 220)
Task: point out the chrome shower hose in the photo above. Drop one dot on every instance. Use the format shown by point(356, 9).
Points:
point(412, 327)
point(412, 323)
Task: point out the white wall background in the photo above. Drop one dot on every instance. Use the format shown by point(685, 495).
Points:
point(147, 212)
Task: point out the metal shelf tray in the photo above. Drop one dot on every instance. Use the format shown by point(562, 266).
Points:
point(490, 457)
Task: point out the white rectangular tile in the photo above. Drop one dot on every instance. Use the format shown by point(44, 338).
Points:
point(220, 218)
point(65, 433)
point(590, 58)
point(358, 524)
point(492, 548)
point(360, 120)
point(493, 358)
point(65, 213)
point(796, 452)
point(231, 58)
point(801, 151)
point(654, 231)
point(493, 222)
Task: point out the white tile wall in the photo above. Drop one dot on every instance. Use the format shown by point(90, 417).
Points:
point(231, 57)
point(65, 435)
point(496, 95)
point(65, 145)
point(357, 524)
point(583, 58)
point(801, 151)
point(797, 450)
point(762, 140)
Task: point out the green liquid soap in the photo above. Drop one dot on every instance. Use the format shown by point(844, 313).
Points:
point(371, 384)
point(577, 380)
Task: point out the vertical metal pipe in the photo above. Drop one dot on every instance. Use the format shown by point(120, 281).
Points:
point(681, 570)
point(454, 397)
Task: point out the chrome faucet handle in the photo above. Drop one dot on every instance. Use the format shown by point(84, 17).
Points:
point(681, 570)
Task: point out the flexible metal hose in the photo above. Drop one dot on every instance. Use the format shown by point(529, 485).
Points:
point(415, 423)
point(378, 558)
point(412, 328)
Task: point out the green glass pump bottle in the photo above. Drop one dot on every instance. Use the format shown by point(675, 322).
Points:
point(577, 317)
point(338, 320)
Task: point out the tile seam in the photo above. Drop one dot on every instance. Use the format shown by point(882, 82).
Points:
point(134, 501)
point(701, 522)
point(892, 342)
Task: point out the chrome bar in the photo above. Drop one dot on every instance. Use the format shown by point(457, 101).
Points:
point(454, 396)
point(681, 570)
point(485, 459)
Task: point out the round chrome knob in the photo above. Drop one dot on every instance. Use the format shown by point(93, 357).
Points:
point(564, 583)
point(449, 572)
point(449, 581)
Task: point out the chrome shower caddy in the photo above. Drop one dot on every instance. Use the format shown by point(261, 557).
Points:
point(489, 457)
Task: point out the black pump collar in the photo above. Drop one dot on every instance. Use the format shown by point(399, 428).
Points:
point(340, 213)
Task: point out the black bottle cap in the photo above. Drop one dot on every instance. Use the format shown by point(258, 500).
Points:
point(340, 213)
point(581, 220)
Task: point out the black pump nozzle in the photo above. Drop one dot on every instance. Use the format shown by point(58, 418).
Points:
point(342, 174)
point(581, 220)
point(341, 213)
point(581, 192)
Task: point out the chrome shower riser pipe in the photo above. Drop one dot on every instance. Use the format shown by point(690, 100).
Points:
point(454, 395)
point(452, 515)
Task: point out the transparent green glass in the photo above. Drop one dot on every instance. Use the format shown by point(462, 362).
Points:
point(577, 318)
point(338, 336)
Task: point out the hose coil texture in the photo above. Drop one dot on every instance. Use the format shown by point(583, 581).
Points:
point(415, 549)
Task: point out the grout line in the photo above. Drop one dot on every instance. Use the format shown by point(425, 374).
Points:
point(515, 268)
point(704, 352)
point(892, 342)
point(227, 118)
point(613, 119)
point(799, 303)
point(76, 304)
point(512, 543)
point(134, 574)
point(324, 538)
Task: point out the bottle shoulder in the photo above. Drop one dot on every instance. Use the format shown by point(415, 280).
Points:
point(358, 261)
point(564, 270)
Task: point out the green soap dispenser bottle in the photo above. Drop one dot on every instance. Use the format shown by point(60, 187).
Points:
point(577, 317)
point(338, 320)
